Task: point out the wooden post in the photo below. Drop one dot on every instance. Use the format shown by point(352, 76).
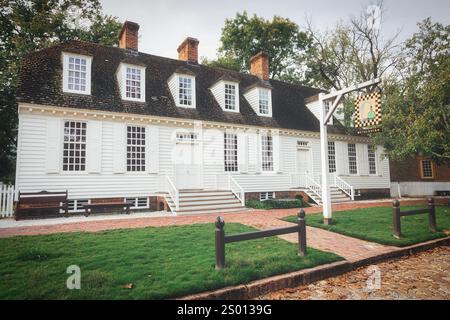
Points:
point(220, 243)
point(301, 233)
point(432, 215)
point(396, 218)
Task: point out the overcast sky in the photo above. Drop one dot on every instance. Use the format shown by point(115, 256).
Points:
point(165, 23)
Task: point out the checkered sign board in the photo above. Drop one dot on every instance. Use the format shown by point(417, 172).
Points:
point(368, 112)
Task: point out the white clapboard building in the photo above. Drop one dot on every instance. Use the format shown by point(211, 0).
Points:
point(115, 123)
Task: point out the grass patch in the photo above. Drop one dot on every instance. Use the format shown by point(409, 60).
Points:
point(276, 204)
point(163, 262)
point(375, 224)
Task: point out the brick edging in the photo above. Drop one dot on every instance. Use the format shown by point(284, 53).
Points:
point(307, 276)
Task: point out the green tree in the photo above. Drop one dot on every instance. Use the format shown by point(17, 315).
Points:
point(416, 110)
point(222, 61)
point(244, 36)
point(29, 25)
point(353, 51)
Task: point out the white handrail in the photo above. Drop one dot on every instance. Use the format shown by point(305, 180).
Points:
point(313, 186)
point(236, 189)
point(173, 192)
point(345, 187)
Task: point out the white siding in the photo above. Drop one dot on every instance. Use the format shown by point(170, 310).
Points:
point(418, 188)
point(106, 175)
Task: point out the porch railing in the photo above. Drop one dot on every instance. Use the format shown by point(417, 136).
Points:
point(312, 185)
point(237, 190)
point(173, 192)
point(345, 187)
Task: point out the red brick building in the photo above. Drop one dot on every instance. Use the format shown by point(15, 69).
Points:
point(419, 176)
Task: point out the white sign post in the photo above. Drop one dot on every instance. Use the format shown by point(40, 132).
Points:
point(324, 118)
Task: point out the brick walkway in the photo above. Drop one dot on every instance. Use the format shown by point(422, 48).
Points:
point(350, 248)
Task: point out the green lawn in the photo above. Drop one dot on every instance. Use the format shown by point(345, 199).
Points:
point(375, 224)
point(160, 262)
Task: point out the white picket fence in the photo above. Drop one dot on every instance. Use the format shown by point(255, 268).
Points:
point(7, 193)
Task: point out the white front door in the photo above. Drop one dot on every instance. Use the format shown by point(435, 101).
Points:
point(188, 166)
point(303, 161)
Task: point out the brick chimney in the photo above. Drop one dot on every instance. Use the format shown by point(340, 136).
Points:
point(188, 50)
point(128, 38)
point(259, 65)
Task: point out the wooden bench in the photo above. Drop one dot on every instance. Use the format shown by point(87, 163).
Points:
point(43, 201)
point(107, 205)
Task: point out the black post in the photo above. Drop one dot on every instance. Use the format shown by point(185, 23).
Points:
point(301, 233)
point(220, 243)
point(432, 215)
point(396, 218)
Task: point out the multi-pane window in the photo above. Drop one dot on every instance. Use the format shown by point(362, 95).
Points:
point(352, 161)
point(74, 148)
point(263, 101)
point(230, 152)
point(267, 153)
point(331, 157)
point(138, 203)
point(230, 96)
point(372, 159)
point(77, 205)
point(133, 83)
point(266, 196)
point(135, 148)
point(185, 91)
point(189, 137)
point(427, 169)
point(77, 74)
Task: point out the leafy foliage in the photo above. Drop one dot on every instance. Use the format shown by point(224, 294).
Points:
point(30, 25)
point(244, 36)
point(416, 110)
point(275, 204)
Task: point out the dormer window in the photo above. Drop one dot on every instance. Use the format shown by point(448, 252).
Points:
point(76, 73)
point(260, 99)
point(182, 87)
point(226, 92)
point(263, 101)
point(133, 83)
point(230, 96)
point(185, 90)
point(131, 79)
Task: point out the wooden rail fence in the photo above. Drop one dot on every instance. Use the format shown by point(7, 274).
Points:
point(397, 214)
point(222, 239)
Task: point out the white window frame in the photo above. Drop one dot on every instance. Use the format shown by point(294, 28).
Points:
point(193, 100)
point(65, 61)
point(268, 157)
point(228, 138)
point(269, 102)
point(187, 137)
point(331, 157)
point(142, 153)
point(135, 202)
point(264, 196)
point(356, 159)
point(122, 78)
point(236, 96)
point(374, 158)
point(68, 171)
point(75, 205)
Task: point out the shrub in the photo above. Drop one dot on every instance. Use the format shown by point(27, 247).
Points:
point(275, 204)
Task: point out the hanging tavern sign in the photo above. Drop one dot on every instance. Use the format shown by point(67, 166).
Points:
point(368, 113)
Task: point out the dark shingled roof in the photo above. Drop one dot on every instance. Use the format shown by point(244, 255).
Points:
point(40, 82)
